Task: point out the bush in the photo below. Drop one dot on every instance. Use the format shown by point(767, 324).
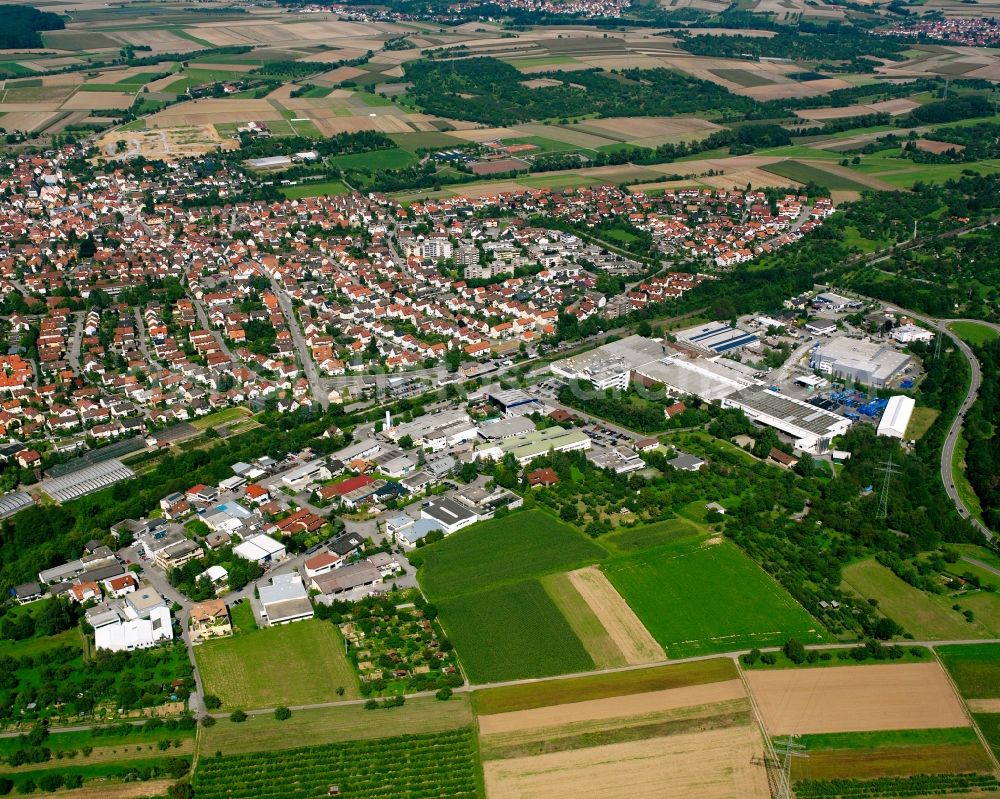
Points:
point(768, 659)
point(6, 786)
point(238, 716)
point(752, 656)
point(212, 702)
point(371, 704)
point(50, 782)
point(444, 694)
point(208, 721)
point(282, 713)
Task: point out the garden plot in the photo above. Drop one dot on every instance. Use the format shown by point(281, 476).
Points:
point(856, 699)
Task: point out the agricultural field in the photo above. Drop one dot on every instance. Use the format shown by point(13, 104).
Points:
point(607, 626)
point(294, 664)
point(676, 730)
point(890, 753)
point(442, 764)
point(924, 615)
point(685, 595)
point(512, 631)
point(856, 699)
point(327, 725)
point(808, 173)
point(560, 691)
point(521, 545)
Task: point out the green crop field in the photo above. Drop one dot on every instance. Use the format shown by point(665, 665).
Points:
point(440, 765)
point(295, 664)
point(975, 668)
point(523, 544)
point(742, 77)
point(394, 158)
point(925, 616)
point(973, 332)
point(989, 725)
point(805, 173)
point(895, 753)
point(582, 620)
point(325, 725)
point(511, 632)
point(601, 686)
point(426, 139)
point(315, 189)
point(696, 600)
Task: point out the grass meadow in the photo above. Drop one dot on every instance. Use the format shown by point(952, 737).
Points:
point(973, 333)
point(701, 599)
point(294, 664)
point(925, 616)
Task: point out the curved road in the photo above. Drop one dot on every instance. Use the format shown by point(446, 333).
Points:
point(954, 431)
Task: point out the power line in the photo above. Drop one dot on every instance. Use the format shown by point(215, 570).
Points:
point(888, 470)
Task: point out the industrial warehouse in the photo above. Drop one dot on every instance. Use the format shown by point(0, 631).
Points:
point(694, 365)
point(865, 362)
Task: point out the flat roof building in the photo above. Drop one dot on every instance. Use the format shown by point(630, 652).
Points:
point(811, 428)
point(867, 362)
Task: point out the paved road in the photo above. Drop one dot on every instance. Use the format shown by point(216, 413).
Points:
point(316, 387)
point(75, 342)
point(955, 430)
point(981, 564)
point(140, 327)
point(199, 308)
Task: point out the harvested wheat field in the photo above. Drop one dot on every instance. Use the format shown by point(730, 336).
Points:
point(98, 789)
point(781, 91)
point(715, 764)
point(983, 705)
point(88, 101)
point(631, 128)
point(628, 634)
point(909, 696)
point(612, 707)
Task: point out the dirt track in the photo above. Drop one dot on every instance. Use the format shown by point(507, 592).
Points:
point(856, 698)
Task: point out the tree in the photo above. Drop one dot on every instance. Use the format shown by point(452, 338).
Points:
point(568, 513)
point(282, 713)
point(444, 694)
point(212, 702)
point(406, 442)
point(644, 329)
point(795, 651)
point(238, 716)
point(886, 628)
point(806, 466)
